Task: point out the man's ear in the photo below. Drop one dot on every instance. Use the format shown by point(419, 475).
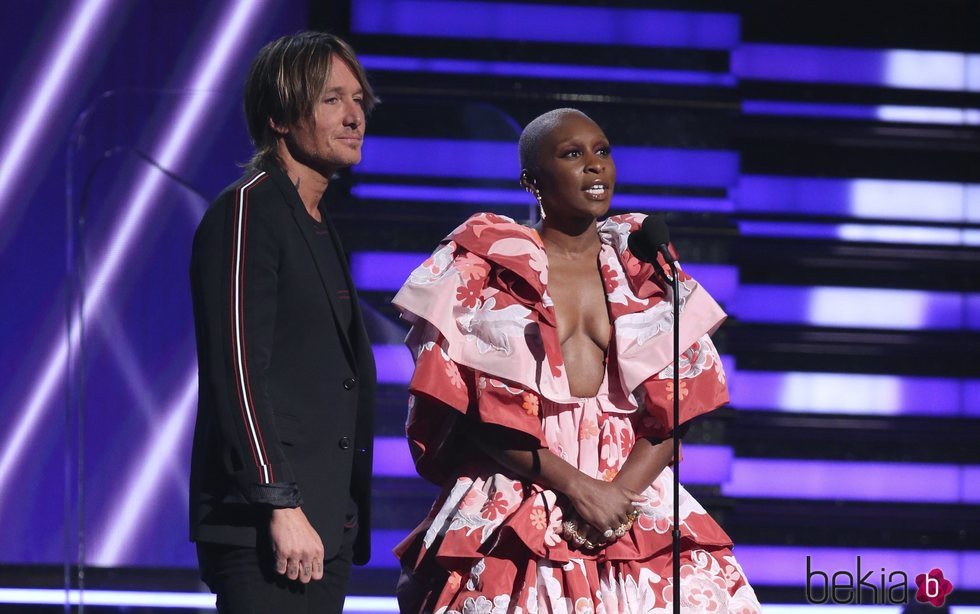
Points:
point(278, 128)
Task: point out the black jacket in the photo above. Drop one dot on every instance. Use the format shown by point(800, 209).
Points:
point(285, 415)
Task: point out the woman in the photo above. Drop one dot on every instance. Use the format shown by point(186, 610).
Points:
point(541, 402)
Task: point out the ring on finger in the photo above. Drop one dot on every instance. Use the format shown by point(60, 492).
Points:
point(609, 533)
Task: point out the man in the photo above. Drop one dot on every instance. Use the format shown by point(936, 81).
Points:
point(281, 468)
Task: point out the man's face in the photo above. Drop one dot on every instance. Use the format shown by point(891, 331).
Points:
point(331, 138)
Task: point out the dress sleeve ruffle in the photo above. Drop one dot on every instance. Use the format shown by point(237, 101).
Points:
point(443, 392)
point(702, 389)
point(483, 290)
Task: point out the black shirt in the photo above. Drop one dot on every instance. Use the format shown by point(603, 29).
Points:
point(332, 253)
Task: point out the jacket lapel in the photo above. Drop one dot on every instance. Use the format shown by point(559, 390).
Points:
point(306, 230)
point(362, 345)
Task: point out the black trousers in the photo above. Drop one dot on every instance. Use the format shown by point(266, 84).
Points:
point(245, 581)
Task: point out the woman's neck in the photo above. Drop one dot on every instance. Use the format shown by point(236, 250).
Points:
point(569, 238)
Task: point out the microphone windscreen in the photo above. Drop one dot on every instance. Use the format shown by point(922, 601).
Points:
point(645, 241)
point(655, 230)
point(640, 246)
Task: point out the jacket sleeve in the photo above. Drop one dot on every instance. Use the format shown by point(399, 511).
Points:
point(234, 268)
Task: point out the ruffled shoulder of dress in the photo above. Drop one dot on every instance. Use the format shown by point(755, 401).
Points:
point(484, 291)
point(507, 245)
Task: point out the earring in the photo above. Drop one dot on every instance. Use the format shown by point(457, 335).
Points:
point(532, 188)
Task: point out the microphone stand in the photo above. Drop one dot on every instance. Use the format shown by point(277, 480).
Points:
point(676, 534)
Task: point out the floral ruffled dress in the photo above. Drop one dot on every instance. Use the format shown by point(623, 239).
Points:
point(485, 342)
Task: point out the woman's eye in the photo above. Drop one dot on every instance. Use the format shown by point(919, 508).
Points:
point(571, 153)
point(604, 151)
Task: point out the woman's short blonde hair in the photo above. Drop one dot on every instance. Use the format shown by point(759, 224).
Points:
point(285, 80)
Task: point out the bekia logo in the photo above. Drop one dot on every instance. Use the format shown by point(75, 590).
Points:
point(877, 586)
point(933, 587)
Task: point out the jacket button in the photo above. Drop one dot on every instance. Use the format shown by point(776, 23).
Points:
point(344, 443)
point(349, 383)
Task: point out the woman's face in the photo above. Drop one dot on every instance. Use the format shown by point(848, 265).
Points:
point(576, 173)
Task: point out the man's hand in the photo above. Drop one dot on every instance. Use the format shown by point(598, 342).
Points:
point(296, 547)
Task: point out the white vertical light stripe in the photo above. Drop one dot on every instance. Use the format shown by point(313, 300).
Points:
point(137, 494)
point(68, 53)
point(170, 150)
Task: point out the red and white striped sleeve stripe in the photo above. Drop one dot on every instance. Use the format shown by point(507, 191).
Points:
point(249, 418)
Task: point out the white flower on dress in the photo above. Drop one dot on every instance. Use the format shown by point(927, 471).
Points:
point(643, 326)
point(479, 605)
point(500, 604)
point(616, 233)
point(473, 584)
point(531, 605)
point(695, 360)
point(435, 268)
point(493, 329)
point(439, 523)
point(744, 601)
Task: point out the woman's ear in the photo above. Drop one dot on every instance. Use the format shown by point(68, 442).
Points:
point(528, 182)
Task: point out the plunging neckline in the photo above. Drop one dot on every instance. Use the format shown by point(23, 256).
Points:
point(550, 304)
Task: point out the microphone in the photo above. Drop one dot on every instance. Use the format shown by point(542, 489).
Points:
point(645, 243)
point(651, 238)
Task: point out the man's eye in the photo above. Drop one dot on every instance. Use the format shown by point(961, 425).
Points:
point(332, 100)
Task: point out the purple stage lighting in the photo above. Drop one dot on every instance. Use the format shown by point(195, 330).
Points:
point(545, 23)
point(165, 440)
point(489, 197)
point(870, 233)
point(786, 565)
point(438, 194)
point(387, 271)
point(899, 68)
point(213, 69)
point(651, 166)
point(888, 113)
point(853, 393)
point(394, 364)
point(576, 72)
point(83, 26)
point(923, 201)
point(882, 308)
point(853, 481)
